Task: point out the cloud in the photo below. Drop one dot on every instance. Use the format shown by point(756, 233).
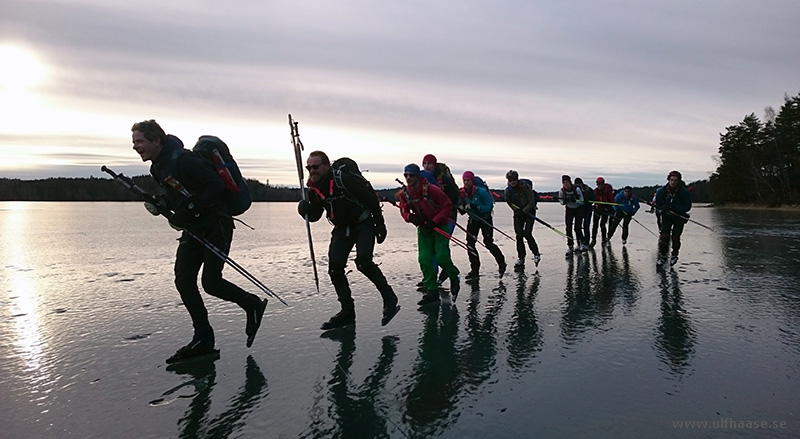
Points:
point(580, 87)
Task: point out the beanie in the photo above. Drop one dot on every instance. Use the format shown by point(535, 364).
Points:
point(430, 158)
point(601, 180)
point(411, 168)
point(468, 175)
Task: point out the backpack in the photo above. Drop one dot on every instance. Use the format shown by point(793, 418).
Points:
point(237, 194)
point(346, 165)
point(479, 182)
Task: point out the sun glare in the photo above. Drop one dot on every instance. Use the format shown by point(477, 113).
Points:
point(21, 69)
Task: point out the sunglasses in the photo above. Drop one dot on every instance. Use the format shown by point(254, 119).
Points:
point(408, 174)
point(313, 167)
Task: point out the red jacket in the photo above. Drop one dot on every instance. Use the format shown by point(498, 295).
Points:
point(604, 193)
point(427, 201)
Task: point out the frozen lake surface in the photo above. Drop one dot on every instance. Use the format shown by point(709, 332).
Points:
point(600, 345)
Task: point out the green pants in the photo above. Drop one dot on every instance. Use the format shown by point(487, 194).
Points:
point(431, 243)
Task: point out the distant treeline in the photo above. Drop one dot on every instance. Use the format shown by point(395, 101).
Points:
point(105, 189)
point(759, 162)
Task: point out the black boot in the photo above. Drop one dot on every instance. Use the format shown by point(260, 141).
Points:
point(390, 308)
point(254, 316)
point(344, 317)
point(429, 297)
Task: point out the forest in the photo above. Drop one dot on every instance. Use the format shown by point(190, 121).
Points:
point(759, 161)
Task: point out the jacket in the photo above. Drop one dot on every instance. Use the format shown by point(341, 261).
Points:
point(427, 201)
point(629, 206)
point(678, 201)
point(345, 206)
point(572, 199)
point(197, 176)
point(478, 199)
point(522, 197)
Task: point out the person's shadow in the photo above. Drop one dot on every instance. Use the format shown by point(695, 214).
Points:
point(674, 337)
point(524, 331)
point(195, 422)
point(356, 410)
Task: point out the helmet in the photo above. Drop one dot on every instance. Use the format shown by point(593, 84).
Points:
point(512, 175)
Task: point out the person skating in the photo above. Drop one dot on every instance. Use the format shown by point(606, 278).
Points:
point(428, 208)
point(673, 202)
point(447, 183)
point(571, 198)
point(588, 198)
point(521, 198)
point(476, 202)
point(205, 214)
point(353, 208)
point(603, 193)
point(626, 207)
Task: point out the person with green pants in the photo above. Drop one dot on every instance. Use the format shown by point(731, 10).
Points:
point(428, 208)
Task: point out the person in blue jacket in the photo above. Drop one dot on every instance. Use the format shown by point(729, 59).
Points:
point(476, 202)
point(626, 208)
point(673, 202)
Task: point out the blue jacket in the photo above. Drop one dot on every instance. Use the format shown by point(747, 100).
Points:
point(478, 199)
point(679, 201)
point(629, 205)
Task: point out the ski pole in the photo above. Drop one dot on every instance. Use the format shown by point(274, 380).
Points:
point(144, 196)
point(603, 202)
point(645, 227)
point(298, 148)
point(467, 232)
point(533, 216)
point(475, 216)
point(685, 218)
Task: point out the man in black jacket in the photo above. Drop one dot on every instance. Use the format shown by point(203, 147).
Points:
point(193, 191)
point(355, 212)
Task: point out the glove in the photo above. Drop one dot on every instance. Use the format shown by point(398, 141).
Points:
point(303, 207)
point(181, 217)
point(380, 232)
point(468, 207)
point(153, 208)
point(462, 210)
point(415, 219)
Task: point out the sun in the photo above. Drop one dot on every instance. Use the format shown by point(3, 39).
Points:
point(21, 69)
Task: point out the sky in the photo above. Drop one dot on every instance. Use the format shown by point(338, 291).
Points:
point(627, 90)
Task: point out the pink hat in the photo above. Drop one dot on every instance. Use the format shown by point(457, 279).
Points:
point(468, 175)
point(430, 158)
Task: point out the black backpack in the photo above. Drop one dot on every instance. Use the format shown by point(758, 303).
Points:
point(237, 194)
point(346, 165)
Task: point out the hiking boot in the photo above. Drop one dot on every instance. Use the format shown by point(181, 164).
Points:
point(421, 284)
point(340, 319)
point(390, 309)
point(519, 265)
point(662, 259)
point(673, 260)
point(536, 259)
point(569, 252)
point(501, 268)
point(429, 297)
point(471, 275)
point(442, 277)
point(195, 348)
point(455, 286)
point(254, 317)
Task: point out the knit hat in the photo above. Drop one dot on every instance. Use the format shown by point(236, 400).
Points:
point(468, 175)
point(430, 158)
point(512, 175)
point(600, 180)
point(411, 168)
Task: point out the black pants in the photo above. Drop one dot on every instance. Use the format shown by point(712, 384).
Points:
point(523, 229)
point(601, 215)
point(615, 220)
point(671, 226)
point(485, 228)
point(191, 255)
point(343, 239)
point(576, 216)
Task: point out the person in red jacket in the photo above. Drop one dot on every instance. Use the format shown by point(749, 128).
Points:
point(602, 212)
point(429, 208)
